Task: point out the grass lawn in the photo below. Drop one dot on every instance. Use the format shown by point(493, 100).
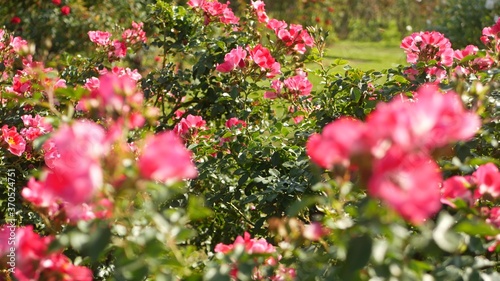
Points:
point(362, 55)
point(367, 55)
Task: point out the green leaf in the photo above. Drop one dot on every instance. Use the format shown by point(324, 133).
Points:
point(358, 254)
point(197, 209)
point(300, 205)
point(476, 227)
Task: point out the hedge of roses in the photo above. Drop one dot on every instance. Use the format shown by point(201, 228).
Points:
point(225, 162)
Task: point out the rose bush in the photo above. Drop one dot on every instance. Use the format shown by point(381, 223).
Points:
point(223, 161)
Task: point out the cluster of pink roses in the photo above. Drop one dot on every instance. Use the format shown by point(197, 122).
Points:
point(491, 36)
point(18, 143)
point(73, 174)
point(256, 246)
point(295, 37)
point(117, 49)
point(484, 183)
point(432, 46)
point(189, 126)
point(10, 48)
point(291, 88)
point(260, 55)
point(214, 10)
point(392, 149)
point(34, 260)
point(70, 187)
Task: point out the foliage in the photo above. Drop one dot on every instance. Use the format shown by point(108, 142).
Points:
point(462, 33)
point(220, 160)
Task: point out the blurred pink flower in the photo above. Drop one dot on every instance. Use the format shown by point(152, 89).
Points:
point(164, 158)
point(314, 231)
point(74, 175)
point(494, 217)
point(34, 260)
point(456, 187)
point(408, 183)
point(432, 120)
point(65, 10)
point(252, 245)
point(119, 50)
point(339, 141)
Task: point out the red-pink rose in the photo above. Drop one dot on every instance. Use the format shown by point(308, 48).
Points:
point(189, 125)
point(65, 10)
point(261, 56)
point(16, 143)
point(15, 20)
point(232, 60)
point(235, 122)
point(487, 179)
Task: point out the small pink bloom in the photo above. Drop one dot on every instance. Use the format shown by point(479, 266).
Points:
point(16, 143)
point(189, 125)
point(119, 49)
point(488, 179)
point(165, 158)
point(235, 122)
point(232, 60)
point(276, 25)
point(259, 7)
point(298, 85)
point(56, 2)
point(263, 58)
point(100, 37)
